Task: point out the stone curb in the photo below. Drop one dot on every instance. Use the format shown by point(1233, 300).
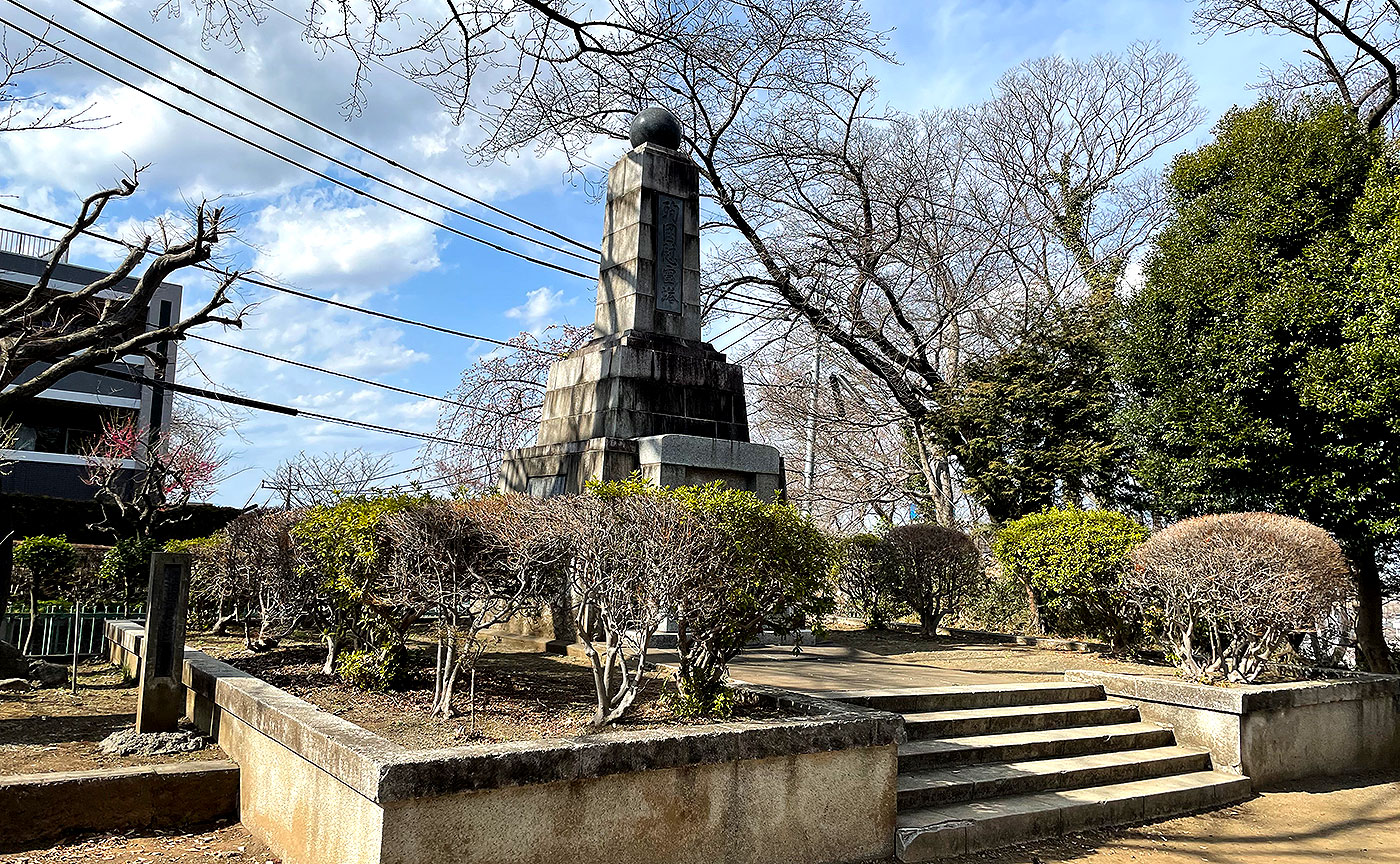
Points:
point(40, 807)
point(1237, 699)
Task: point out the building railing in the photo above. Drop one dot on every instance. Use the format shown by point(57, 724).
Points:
point(54, 627)
point(33, 245)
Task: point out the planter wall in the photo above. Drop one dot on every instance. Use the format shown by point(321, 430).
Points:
point(1273, 733)
point(316, 788)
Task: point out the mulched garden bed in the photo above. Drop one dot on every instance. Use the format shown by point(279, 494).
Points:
point(520, 696)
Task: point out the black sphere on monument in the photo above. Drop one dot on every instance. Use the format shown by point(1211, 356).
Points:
point(656, 125)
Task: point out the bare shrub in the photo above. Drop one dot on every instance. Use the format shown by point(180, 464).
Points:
point(472, 565)
point(1227, 591)
point(632, 554)
point(935, 568)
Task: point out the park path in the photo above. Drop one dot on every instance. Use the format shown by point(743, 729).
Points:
point(830, 668)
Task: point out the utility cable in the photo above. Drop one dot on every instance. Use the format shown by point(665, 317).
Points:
point(275, 408)
point(336, 135)
point(272, 286)
point(269, 151)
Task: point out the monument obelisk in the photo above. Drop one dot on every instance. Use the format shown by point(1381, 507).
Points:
point(646, 394)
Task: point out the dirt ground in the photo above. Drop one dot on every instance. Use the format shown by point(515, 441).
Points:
point(53, 730)
point(1353, 819)
point(976, 656)
point(519, 695)
point(1348, 820)
point(225, 843)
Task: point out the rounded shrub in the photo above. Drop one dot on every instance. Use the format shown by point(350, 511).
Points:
point(1072, 561)
point(935, 568)
point(126, 568)
point(864, 586)
point(376, 670)
point(1224, 593)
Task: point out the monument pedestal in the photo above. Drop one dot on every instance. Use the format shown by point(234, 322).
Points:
point(646, 395)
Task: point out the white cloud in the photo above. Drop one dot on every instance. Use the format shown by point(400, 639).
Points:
point(321, 239)
point(539, 307)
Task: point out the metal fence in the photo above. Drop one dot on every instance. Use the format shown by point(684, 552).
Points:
point(33, 245)
point(56, 628)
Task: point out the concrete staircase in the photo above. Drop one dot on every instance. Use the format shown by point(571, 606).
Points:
point(989, 766)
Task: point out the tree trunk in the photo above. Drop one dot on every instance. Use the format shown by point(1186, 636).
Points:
point(33, 624)
point(1372, 650)
point(332, 652)
point(7, 565)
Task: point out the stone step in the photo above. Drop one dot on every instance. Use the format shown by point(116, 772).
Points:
point(957, 829)
point(1017, 718)
point(940, 787)
point(1042, 744)
point(964, 697)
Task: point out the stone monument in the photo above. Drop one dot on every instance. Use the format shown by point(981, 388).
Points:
point(646, 394)
point(160, 703)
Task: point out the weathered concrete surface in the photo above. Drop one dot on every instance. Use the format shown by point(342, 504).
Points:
point(39, 807)
point(824, 669)
point(784, 810)
point(1273, 733)
point(317, 788)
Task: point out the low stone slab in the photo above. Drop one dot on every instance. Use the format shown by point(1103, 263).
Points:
point(36, 808)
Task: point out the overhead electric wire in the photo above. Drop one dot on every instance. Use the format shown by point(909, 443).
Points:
point(269, 151)
point(345, 375)
point(275, 408)
point(272, 286)
point(336, 135)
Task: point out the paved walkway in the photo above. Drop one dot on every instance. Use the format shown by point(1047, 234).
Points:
point(827, 668)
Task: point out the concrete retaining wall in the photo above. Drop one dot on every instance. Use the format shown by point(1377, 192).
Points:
point(39, 807)
point(316, 788)
point(1277, 732)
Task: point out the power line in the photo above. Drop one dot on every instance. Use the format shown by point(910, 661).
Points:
point(275, 408)
point(273, 153)
point(272, 286)
point(336, 135)
point(350, 377)
point(399, 72)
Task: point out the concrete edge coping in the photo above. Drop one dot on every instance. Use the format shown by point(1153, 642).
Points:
point(383, 771)
point(1237, 699)
point(11, 782)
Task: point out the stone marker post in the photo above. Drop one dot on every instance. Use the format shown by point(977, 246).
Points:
point(161, 701)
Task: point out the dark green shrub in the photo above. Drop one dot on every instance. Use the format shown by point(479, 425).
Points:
point(1073, 562)
point(998, 604)
point(864, 587)
point(126, 568)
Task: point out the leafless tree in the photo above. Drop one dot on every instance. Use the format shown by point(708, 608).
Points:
point(309, 480)
point(74, 331)
point(1351, 47)
point(1228, 590)
point(1069, 142)
point(460, 559)
point(499, 398)
point(26, 112)
point(145, 479)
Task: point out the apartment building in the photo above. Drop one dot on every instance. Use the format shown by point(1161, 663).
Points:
point(56, 427)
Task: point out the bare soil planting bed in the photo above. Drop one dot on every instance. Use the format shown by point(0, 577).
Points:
point(53, 730)
point(520, 696)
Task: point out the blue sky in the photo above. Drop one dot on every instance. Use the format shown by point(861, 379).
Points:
point(309, 234)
